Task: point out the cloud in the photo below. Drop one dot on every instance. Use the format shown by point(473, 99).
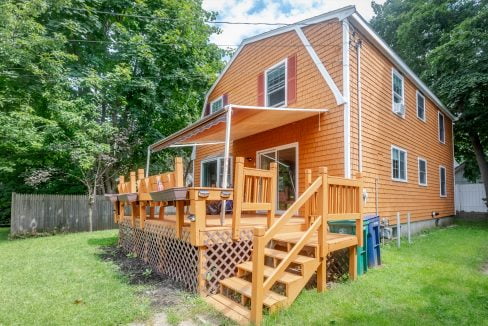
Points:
point(271, 11)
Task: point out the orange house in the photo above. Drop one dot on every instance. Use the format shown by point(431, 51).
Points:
point(327, 91)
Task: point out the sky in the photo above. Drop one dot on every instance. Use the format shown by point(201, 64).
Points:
point(272, 11)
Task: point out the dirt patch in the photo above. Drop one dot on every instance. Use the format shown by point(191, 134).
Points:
point(163, 292)
point(172, 305)
point(484, 269)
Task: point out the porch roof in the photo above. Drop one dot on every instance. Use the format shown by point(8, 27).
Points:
point(244, 121)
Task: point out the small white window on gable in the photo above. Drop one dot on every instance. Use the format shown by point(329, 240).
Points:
point(442, 129)
point(420, 106)
point(398, 164)
point(275, 81)
point(217, 104)
point(422, 172)
point(398, 93)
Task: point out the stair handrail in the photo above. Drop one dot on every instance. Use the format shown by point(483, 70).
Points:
point(262, 237)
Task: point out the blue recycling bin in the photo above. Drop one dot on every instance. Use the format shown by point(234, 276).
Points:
point(373, 240)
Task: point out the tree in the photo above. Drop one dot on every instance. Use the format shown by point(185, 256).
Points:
point(86, 86)
point(446, 43)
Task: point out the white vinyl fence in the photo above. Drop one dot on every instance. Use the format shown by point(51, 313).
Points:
point(469, 197)
point(67, 213)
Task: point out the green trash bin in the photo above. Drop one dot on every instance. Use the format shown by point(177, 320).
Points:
point(349, 227)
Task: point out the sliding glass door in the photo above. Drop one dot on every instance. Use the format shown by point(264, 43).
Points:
point(287, 159)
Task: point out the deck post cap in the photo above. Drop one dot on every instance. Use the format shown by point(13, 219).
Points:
point(259, 231)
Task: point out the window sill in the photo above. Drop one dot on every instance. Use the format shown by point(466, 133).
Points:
point(399, 180)
point(399, 115)
point(423, 120)
point(423, 185)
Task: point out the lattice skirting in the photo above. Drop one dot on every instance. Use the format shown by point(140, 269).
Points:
point(157, 246)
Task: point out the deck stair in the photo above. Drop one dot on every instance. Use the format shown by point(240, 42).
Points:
point(283, 262)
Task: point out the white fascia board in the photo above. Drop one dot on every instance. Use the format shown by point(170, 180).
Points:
point(347, 99)
point(320, 66)
point(360, 23)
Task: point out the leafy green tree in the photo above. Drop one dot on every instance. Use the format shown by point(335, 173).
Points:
point(86, 86)
point(446, 43)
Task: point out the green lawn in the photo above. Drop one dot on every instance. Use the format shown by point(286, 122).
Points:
point(438, 280)
point(60, 280)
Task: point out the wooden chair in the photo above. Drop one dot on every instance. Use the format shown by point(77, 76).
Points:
point(254, 190)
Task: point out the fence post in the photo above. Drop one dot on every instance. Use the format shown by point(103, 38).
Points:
point(257, 292)
point(399, 232)
point(323, 210)
point(308, 210)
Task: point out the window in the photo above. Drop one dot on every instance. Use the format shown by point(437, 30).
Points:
point(212, 171)
point(422, 172)
point(398, 100)
point(442, 181)
point(442, 130)
point(420, 106)
point(217, 104)
point(276, 85)
point(398, 164)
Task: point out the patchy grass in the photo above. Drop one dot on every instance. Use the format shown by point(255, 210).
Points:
point(437, 280)
point(61, 280)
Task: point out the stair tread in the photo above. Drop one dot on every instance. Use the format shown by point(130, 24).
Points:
point(230, 308)
point(332, 238)
point(244, 287)
point(284, 278)
point(300, 259)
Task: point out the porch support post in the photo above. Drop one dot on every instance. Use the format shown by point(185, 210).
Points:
point(225, 181)
point(148, 160)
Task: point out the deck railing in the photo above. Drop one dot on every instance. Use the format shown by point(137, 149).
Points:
point(254, 190)
point(320, 204)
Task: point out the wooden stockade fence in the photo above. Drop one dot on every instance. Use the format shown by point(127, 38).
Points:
point(67, 213)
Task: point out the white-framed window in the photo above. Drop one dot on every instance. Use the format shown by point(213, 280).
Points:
point(421, 106)
point(275, 84)
point(398, 100)
point(217, 104)
point(212, 171)
point(398, 164)
point(442, 128)
point(422, 166)
point(442, 181)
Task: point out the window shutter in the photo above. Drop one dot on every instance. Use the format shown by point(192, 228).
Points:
point(261, 89)
point(291, 96)
point(207, 109)
point(225, 99)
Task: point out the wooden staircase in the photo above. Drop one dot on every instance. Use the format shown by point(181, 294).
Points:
point(283, 262)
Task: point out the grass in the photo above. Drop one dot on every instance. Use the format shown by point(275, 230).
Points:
point(437, 280)
point(60, 280)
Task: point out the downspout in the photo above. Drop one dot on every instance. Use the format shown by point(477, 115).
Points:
point(347, 97)
point(360, 122)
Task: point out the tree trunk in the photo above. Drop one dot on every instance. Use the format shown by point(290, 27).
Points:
point(91, 204)
point(481, 160)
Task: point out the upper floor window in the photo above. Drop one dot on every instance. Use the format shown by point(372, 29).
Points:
point(420, 106)
point(217, 104)
point(442, 181)
point(275, 78)
point(398, 91)
point(422, 172)
point(442, 130)
point(398, 164)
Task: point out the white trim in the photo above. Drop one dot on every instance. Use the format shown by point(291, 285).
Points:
point(439, 114)
point(394, 73)
point(362, 25)
point(360, 110)
point(440, 181)
point(346, 91)
point(320, 66)
point(276, 149)
point(210, 159)
point(220, 98)
point(406, 164)
point(417, 93)
point(284, 61)
point(271, 108)
point(418, 171)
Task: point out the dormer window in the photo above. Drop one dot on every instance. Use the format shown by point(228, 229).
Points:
point(217, 104)
point(398, 92)
point(276, 85)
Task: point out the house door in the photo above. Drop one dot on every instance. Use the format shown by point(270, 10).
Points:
point(287, 159)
